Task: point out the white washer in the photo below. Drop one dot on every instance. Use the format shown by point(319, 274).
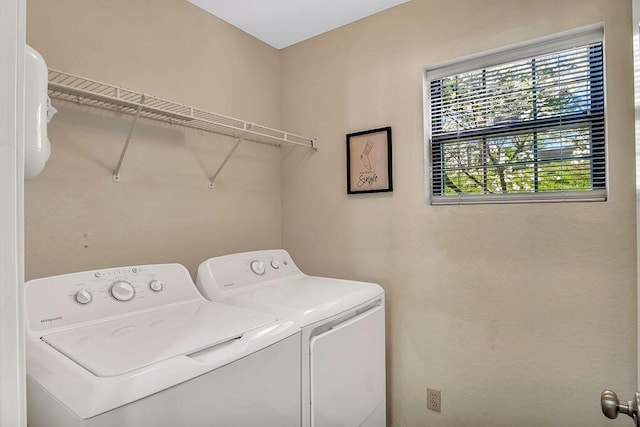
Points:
point(342, 323)
point(139, 346)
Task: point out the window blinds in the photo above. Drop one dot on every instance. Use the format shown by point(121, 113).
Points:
point(530, 129)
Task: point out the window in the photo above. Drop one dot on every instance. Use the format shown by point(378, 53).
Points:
point(521, 125)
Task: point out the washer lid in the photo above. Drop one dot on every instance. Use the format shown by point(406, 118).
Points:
point(118, 346)
point(306, 299)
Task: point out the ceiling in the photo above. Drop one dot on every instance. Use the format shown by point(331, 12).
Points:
point(282, 23)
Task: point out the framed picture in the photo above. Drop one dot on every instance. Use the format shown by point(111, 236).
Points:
point(369, 161)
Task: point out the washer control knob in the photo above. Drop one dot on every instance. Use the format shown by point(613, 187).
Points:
point(122, 291)
point(83, 296)
point(275, 264)
point(257, 267)
point(156, 285)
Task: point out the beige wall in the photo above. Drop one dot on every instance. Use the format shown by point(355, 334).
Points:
point(77, 218)
point(520, 314)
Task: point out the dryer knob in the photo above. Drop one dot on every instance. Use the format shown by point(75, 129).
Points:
point(83, 296)
point(257, 267)
point(122, 291)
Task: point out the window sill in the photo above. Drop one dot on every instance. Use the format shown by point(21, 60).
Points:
point(555, 197)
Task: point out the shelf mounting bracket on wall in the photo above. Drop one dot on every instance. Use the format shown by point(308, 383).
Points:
point(226, 159)
point(116, 171)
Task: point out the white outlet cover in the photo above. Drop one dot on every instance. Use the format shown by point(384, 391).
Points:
point(281, 23)
point(434, 400)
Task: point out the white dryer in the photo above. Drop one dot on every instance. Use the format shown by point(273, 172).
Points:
point(343, 331)
point(139, 346)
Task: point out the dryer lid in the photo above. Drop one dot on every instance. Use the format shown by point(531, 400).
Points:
point(119, 346)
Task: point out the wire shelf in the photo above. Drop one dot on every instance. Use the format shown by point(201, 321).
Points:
point(69, 87)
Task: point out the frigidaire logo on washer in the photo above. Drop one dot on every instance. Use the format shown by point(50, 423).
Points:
point(50, 319)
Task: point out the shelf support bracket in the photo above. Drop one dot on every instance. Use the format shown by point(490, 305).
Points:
point(233, 150)
point(116, 172)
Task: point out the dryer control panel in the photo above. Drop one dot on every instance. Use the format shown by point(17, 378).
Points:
point(231, 272)
point(82, 297)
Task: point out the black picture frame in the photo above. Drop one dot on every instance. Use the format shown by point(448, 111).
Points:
point(369, 157)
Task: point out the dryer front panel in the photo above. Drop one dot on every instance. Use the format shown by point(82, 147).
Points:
point(347, 370)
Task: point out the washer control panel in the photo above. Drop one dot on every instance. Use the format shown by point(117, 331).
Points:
point(221, 275)
point(57, 301)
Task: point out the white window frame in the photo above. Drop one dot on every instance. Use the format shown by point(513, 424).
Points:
point(541, 46)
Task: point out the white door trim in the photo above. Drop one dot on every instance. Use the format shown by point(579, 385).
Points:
point(12, 363)
point(636, 98)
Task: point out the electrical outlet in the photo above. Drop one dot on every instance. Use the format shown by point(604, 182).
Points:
point(433, 400)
